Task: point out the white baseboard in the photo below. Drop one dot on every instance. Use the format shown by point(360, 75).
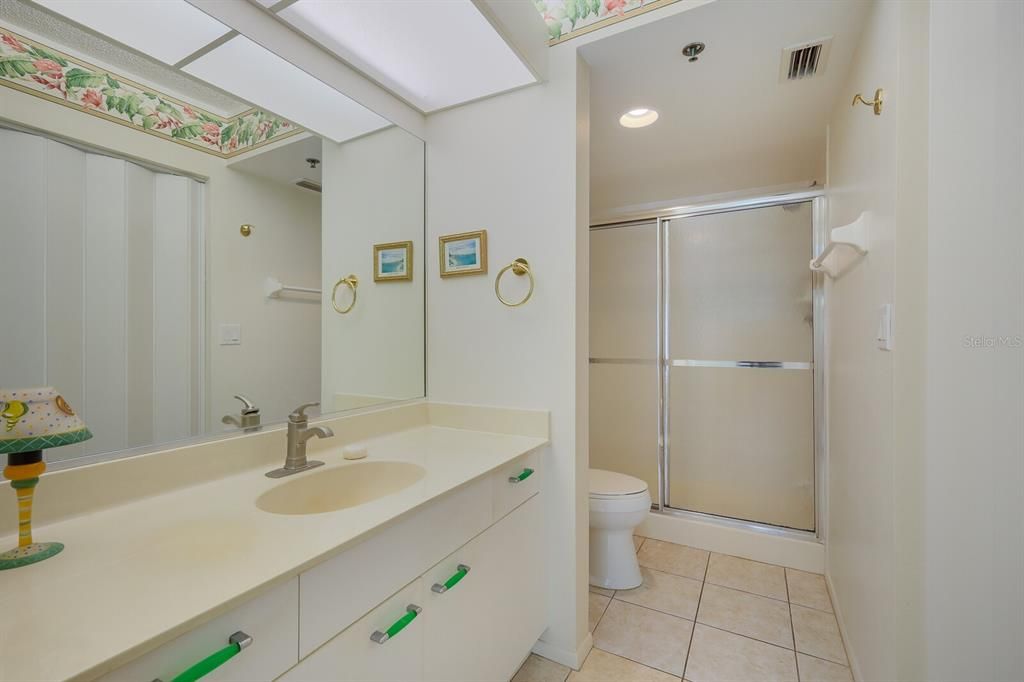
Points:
point(573, 659)
point(851, 657)
point(804, 555)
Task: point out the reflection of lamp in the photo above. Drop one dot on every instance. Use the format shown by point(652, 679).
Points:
point(32, 419)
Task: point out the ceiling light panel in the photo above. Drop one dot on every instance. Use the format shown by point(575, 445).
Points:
point(432, 54)
point(256, 74)
point(168, 30)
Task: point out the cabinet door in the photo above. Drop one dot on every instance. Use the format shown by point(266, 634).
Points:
point(483, 627)
point(358, 655)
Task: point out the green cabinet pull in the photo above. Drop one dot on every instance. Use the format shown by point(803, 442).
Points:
point(460, 573)
point(411, 611)
point(521, 477)
point(238, 641)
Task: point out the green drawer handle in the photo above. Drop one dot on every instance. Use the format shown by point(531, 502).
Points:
point(411, 611)
point(238, 641)
point(460, 573)
point(521, 477)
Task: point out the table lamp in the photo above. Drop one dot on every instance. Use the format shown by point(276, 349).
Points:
point(32, 419)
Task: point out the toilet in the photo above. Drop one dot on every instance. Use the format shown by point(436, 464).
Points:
point(618, 504)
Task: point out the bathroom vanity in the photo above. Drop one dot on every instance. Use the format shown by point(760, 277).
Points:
point(447, 561)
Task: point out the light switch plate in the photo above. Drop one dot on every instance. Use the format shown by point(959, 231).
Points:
point(230, 334)
point(884, 337)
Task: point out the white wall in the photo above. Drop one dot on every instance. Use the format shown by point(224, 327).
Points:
point(876, 164)
point(509, 165)
point(975, 419)
point(373, 194)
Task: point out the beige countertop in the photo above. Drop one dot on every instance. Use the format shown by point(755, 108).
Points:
point(135, 575)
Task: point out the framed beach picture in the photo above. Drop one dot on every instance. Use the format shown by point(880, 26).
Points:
point(463, 254)
point(392, 262)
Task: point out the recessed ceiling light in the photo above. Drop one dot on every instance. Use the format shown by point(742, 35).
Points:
point(638, 118)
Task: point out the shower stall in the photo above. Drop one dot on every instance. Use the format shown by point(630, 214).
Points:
point(706, 348)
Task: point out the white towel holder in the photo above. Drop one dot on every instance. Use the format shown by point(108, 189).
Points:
point(854, 236)
point(273, 288)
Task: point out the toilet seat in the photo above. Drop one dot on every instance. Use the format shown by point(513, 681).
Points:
point(611, 485)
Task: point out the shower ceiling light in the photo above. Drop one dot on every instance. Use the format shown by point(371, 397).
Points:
point(638, 118)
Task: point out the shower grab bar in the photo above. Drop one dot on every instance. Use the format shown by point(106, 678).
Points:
point(743, 364)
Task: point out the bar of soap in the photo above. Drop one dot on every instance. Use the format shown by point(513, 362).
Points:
point(354, 452)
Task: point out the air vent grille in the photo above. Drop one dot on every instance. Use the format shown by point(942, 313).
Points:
point(309, 184)
point(804, 61)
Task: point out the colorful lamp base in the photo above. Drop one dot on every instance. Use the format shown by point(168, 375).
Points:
point(29, 554)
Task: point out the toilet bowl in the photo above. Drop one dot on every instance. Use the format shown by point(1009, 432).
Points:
point(618, 504)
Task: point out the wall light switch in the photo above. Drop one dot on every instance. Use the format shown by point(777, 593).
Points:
point(231, 334)
point(884, 338)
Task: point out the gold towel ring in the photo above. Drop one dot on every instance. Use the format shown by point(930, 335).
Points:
point(351, 282)
point(518, 267)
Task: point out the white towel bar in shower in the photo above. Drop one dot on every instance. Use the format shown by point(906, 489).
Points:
point(273, 288)
point(854, 236)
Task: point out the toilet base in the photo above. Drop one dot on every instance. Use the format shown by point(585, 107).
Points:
point(613, 563)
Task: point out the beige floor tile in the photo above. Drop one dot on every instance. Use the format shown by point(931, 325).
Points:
point(816, 670)
point(746, 614)
point(637, 541)
point(602, 666)
point(672, 558)
point(746, 575)
point(808, 589)
point(538, 669)
point(652, 638)
point(817, 634)
point(665, 592)
point(602, 591)
point(596, 606)
point(717, 656)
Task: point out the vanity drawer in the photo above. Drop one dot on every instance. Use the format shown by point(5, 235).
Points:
point(271, 619)
point(336, 593)
point(513, 483)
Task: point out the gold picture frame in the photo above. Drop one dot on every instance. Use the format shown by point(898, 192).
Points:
point(388, 266)
point(471, 258)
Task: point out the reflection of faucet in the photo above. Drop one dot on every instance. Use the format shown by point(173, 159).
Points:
point(298, 433)
point(249, 419)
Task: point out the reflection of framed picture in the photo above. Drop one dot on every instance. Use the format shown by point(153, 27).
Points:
point(392, 262)
point(463, 254)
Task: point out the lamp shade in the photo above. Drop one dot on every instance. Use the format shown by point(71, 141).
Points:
point(36, 419)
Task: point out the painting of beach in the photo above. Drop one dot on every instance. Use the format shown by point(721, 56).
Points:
point(463, 254)
point(392, 261)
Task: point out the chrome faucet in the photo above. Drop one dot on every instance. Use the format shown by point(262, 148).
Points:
point(248, 419)
point(298, 433)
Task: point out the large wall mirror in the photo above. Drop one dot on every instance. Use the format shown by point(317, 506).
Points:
point(186, 217)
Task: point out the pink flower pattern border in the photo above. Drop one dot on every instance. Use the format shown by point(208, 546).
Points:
point(566, 19)
point(31, 67)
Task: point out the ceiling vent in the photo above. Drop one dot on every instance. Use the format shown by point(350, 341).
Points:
point(805, 60)
point(309, 184)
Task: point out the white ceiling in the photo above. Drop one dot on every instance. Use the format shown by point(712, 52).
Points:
point(433, 54)
point(285, 163)
point(726, 121)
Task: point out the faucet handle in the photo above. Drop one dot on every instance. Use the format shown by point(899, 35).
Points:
point(248, 407)
point(299, 414)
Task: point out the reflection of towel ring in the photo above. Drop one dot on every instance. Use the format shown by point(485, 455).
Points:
point(351, 282)
point(518, 267)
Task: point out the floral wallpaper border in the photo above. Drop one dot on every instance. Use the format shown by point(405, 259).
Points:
point(31, 67)
point(568, 19)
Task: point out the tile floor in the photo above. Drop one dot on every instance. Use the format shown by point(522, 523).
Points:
point(704, 617)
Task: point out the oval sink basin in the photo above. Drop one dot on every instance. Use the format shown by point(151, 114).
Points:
point(340, 488)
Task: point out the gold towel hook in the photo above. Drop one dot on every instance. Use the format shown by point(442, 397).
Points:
point(876, 103)
point(518, 267)
point(351, 282)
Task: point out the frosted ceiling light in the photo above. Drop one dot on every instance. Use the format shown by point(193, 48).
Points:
point(256, 74)
point(431, 54)
point(638, 118)
point(168, 30)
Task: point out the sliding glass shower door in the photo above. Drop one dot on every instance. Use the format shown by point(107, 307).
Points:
point(739, 354)
point(702, 378)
